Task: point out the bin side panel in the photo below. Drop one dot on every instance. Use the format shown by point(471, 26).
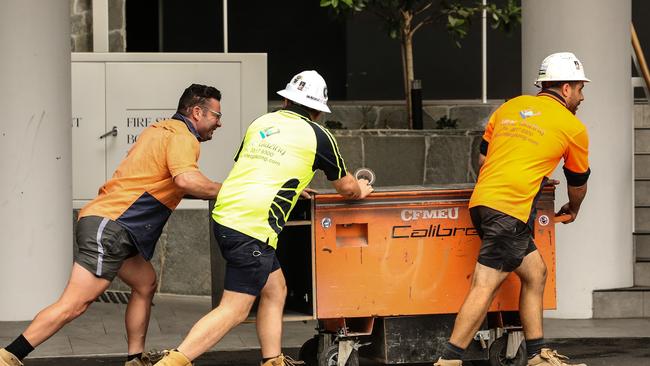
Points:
point(419, 259)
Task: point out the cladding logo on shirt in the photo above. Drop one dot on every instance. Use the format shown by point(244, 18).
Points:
point(269, 131)
point(526, 113)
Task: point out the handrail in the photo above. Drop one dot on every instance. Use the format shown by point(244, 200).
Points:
point(638, 51)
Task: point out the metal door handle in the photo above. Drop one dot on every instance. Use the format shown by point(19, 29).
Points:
point(112, 132)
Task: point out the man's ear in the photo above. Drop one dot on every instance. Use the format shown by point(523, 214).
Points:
point(566, 89)
point(316, 116)
point(196, 112)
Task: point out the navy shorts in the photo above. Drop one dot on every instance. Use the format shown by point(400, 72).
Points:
point(249, 261)
point(505, 240)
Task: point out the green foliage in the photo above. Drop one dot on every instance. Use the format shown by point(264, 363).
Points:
point(459, 17)
point(456, 16)
point(445, 122)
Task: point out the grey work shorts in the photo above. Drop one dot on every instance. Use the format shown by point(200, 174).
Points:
point(505, 240)
point(103, 245)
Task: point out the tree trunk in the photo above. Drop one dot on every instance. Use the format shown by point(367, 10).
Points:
point(407, 62)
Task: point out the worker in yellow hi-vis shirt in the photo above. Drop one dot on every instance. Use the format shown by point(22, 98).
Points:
point(524, 141)
point(275, 163)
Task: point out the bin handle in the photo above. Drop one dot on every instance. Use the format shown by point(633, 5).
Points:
point(561, 218)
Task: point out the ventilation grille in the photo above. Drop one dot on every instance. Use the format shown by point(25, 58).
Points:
point(114, 297)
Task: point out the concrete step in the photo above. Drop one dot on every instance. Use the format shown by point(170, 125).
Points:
point(642, 273)
point(628, 302)
point(641, 218)
point(642, 245)
point(642, 139)
point(641, 115)
point(642, 165)
point(642, 191)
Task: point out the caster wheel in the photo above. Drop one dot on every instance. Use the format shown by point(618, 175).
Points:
point(309, 352)
point(498, 357)
point(330, 357)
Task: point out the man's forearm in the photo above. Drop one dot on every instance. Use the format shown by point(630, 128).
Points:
point(196, 184)
point(576, 196)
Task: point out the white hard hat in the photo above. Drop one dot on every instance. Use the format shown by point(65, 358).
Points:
point(561, 66)
point(309, 89)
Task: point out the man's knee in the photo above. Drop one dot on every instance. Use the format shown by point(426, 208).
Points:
point(147, 288)
point(236, 306)
point(72, 310)
point(275, 290)
point(276, 293)
point(238, 313)
point(535, 272)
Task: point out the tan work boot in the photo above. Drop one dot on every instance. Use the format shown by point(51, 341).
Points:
point(147, 359)
point(548, 357)
point(173, 358)
point(442, 362)
point(282, 360)
point(8, 359)
point(139, 362)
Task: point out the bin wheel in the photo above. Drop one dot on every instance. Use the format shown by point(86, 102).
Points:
point(330, 357)
point(498, 354)
point(309, 352)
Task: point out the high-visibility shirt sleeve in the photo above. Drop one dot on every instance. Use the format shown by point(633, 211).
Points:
point(182, 154)
point(328, 157)
point(489, 128)
point(576, 159)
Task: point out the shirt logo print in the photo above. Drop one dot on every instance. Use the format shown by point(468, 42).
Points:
point(269, 131)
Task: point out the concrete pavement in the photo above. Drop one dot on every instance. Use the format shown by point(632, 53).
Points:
point(100, 331)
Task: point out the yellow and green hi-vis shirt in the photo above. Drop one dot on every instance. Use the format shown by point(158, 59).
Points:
point(526, 138)
point(276, 161)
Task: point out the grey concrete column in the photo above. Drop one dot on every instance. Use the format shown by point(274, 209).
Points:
point(596, 251)
point(35, 155)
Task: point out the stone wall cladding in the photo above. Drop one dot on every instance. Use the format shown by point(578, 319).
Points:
point(470, 115)
point(116, 26)
point(407, 157)
point(81, 26)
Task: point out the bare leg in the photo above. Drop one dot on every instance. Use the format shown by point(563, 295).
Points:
point(269, 315)
point(82, 289)
point(485, 283)
point(141, 277)
point(532, 273)
point(209, 330)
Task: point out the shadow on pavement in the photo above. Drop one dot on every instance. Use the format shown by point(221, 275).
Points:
point(592, 351)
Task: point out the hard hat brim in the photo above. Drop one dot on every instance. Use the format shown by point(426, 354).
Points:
point(538, 82)
point(301, 99)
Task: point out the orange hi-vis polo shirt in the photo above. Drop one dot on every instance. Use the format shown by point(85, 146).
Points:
point(525, 138)
point(141, 195)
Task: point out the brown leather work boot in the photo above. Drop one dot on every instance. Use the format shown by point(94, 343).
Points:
point(442, 362)
point(548, 357)
point(282, 360)
point(147, 359)
point(173, 358)
point(8, 359)
point(139, 362)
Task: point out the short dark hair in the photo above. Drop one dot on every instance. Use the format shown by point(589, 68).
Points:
point(196, 95)
point(558, 84)
point(307, 109)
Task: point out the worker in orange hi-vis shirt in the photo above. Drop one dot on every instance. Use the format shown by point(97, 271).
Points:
point(524, 141)
point(118, 230)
